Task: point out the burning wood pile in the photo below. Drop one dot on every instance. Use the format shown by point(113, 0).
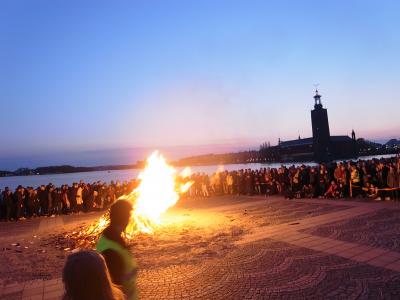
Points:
point(159, 189)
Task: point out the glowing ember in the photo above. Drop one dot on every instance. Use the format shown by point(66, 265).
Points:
point(159, 189)
point(98, 226)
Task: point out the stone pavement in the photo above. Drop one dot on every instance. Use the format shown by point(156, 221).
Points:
point(43, 224)
point(35, 290)
point(292, 233)
point(336, 255)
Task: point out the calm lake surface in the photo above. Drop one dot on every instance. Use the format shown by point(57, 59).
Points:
point(107, 176)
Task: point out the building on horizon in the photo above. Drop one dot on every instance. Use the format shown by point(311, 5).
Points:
point(321, 147)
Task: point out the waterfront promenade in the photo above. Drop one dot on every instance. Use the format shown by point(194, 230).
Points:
point(237, 248)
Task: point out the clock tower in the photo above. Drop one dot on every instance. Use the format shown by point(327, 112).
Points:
point(320, 128)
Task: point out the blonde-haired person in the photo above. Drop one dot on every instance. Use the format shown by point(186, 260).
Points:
point(86, 277)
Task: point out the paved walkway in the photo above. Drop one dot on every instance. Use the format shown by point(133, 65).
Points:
point(43, 224)
point(290, 233)
point(272, 262)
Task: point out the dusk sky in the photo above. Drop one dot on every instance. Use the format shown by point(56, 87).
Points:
point(104, 82)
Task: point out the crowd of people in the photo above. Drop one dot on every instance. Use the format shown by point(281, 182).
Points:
point(49, 200)
point(376, 178)
point(110, 272)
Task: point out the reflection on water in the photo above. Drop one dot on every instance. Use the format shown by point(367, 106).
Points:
point(107, 176)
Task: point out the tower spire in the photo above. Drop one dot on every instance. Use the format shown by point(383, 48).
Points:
point(317, 99)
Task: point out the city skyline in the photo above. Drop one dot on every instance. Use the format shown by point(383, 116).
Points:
point(189, 76)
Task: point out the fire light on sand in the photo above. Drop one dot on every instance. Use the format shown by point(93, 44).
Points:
point(160, 187)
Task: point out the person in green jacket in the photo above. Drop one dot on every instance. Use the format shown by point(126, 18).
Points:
point(120, 261)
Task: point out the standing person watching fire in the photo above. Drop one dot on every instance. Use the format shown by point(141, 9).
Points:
point(120, 262)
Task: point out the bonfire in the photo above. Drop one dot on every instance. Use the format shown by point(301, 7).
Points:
point(160, 187)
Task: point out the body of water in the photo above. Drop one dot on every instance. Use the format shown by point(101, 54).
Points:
point(107, 176)
point(121, 175)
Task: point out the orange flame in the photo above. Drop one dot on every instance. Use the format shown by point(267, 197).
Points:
point(159, 189)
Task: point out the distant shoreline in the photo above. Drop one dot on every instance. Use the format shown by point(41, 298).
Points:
point(66, 169)
point(265, 155)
